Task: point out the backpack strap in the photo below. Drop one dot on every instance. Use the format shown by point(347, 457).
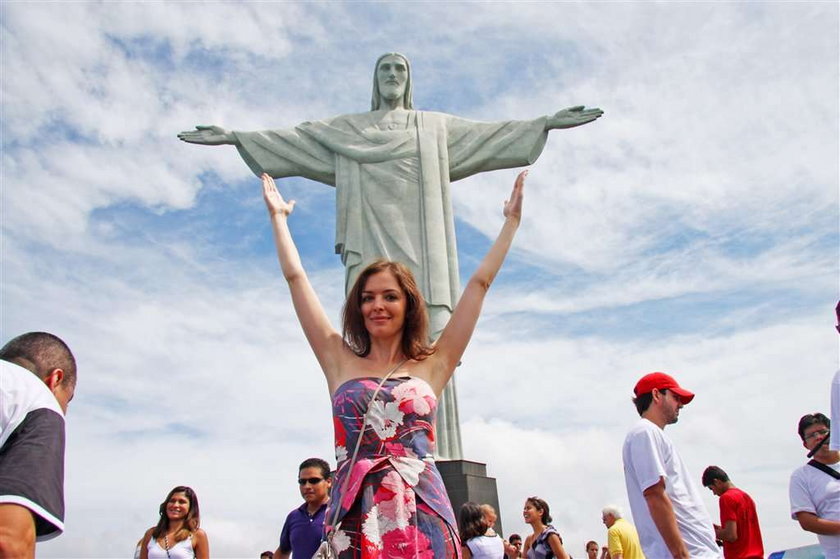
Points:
point(820, 466)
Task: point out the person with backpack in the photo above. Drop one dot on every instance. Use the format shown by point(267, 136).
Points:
point(815, 486)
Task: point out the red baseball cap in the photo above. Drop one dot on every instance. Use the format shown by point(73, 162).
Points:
point(661, 381)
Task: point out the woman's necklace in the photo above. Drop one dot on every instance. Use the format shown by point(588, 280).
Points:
point(166, 546)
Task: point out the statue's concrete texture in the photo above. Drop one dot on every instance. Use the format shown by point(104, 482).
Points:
point(391, 168)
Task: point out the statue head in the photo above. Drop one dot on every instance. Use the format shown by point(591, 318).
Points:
point(392, 79)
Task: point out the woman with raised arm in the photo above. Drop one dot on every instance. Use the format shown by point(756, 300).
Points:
point(384, 377)
point(177, 534)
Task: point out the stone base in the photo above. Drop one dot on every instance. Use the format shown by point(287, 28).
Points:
point(468, 481)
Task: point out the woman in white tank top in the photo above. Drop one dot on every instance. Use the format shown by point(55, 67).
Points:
point(478, 541)
point(177, 535)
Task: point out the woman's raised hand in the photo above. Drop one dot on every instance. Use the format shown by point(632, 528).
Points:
point(273, 200)
point(513, 207)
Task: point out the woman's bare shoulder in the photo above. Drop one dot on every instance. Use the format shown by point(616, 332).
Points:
point(200, 534)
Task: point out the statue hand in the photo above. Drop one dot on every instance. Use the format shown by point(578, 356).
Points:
point(513, 207)
point(273, 200)
point(571, 117)
point(208, 136)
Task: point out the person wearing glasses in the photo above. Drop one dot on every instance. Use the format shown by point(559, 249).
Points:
point(622, 538)
point(304, 526)
point(670, 516)
point(815, 486)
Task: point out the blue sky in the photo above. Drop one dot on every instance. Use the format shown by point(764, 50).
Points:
point(692, 229)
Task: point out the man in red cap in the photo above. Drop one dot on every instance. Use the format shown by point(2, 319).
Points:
point(667, 506)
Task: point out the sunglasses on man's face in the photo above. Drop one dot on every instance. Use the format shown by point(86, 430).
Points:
point(310, 481)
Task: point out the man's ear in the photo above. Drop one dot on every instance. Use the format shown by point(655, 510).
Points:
point(54, 378)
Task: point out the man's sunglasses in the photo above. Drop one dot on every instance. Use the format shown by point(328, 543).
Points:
point(310, 481)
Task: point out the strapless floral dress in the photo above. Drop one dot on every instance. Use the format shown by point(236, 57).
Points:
point(395, 504)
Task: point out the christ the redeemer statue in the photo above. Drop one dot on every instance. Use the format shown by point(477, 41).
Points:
point(391, 168)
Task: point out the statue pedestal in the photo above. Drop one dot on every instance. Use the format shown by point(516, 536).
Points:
point(468, 481)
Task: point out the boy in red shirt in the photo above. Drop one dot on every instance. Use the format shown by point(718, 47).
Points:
point(738, 528)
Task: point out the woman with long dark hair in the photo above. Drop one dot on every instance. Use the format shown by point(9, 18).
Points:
point(545, 541)
point(177, 534)
point(384, 376)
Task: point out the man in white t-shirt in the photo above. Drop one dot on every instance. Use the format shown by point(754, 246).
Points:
point(668, 509)
point(815, 486)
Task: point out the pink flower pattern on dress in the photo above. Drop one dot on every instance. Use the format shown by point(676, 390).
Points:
point(409, 543)
point(394, 503)
point(415, 396)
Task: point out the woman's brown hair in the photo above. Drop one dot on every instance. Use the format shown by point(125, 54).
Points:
point(415, 336)
point(191, 523)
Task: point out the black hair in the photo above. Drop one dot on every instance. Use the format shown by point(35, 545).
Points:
point(316, 463)
point(471, 523)
point(41, 353)
point(541, 506)
point(643, 401)
point(812, 419)
point(712, 473)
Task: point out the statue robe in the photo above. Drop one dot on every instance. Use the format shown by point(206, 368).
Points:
point(392, 186)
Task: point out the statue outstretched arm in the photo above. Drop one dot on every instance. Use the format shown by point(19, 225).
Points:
point(326, 342)
point(571, 117)
point(457, 333)
point(280, 153)
point(208, 136)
